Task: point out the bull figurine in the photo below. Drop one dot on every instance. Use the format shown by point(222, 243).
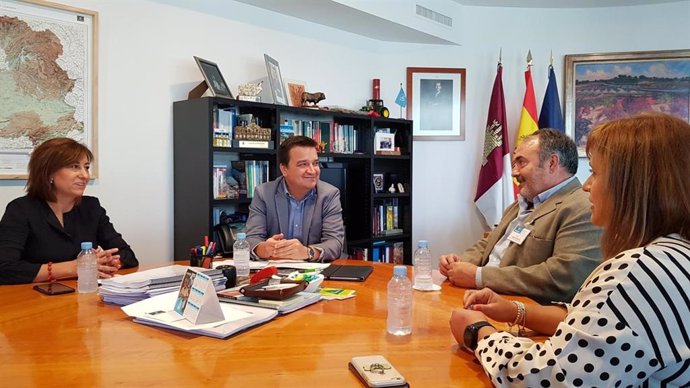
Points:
point(314, 98)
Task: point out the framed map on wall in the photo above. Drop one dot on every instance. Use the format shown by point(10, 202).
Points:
point(48, 79)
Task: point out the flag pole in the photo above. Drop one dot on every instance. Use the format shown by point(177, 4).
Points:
point(529, 58)
point(401, 105)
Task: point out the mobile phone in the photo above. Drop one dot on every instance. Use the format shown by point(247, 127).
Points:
point(375, 371)
point(53, 288)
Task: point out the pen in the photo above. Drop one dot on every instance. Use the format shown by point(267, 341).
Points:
point(205, 241)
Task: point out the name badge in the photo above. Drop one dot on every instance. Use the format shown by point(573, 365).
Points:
point(519, 234)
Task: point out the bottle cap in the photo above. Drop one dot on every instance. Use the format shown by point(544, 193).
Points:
point(86, 245)
point(241, 236)
point(423, 244)
point(400, 270)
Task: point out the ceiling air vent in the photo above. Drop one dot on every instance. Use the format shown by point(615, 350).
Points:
point(434, 16)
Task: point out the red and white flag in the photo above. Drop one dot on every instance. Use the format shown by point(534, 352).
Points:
point(495, 188)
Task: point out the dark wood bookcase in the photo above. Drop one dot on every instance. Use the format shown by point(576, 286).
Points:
point(195, 156)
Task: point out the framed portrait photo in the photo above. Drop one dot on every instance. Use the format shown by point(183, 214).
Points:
point(275, 80)
point(214, 78)
point(436, 103)
point(608, 86)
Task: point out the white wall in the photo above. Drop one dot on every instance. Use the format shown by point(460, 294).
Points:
point(146, 50)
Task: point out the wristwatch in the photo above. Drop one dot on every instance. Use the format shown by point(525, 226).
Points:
point(310, 253)
point(471, 333)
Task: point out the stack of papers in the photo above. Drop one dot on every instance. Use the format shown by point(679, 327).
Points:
point(337, 293)
point(156, 311)
point(126, 289)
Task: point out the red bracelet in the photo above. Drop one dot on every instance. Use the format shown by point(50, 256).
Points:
point(50, 272)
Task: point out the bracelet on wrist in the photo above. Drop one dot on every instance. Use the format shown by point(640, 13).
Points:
point(519, 318)
point(51, 279)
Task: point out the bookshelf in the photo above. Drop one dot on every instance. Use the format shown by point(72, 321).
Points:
point(375, 222)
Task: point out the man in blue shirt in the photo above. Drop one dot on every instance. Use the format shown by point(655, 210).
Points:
point(296, 216)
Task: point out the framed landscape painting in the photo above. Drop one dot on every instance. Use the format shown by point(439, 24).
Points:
point(609, 86)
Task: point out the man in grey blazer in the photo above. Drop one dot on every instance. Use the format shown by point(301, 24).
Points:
point(296, 216)
point(545, 245)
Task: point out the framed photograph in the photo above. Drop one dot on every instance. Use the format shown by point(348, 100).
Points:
point(379, 184)
point(280, 96)
point(436, 103)
point(54, 91)
point(295, 90)
point(384, 141)
point(607, 86)
point(214, 78)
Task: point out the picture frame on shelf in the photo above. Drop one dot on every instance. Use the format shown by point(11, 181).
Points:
point(436, 103)
point(295, 90)
point(275, 80)
point(379, 183)
point(55, 103)
point(214, 78)
point(605, 86)
point(384, 141)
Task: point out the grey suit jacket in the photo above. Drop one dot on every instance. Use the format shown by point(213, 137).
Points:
point(322, 226)
point(562, 249)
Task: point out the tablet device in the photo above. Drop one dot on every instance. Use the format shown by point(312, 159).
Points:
point(357, 273)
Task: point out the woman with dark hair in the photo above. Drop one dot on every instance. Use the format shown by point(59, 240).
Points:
point(41, 233)
point(628, 324)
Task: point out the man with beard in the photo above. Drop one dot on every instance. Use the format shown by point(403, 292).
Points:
point(545, 245)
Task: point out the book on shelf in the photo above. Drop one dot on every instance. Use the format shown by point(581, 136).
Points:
point(286, 130)
point(388, 252)
point(293, 303)
point(224, 120)
point(386, 218)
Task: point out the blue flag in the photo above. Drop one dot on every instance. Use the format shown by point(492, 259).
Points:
point(551, 116)
point(401, 99)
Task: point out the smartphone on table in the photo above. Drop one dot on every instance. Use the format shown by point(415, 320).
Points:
point(376, 372)
point(53, 288)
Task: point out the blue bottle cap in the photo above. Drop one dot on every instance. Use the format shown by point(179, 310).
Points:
point(241, 236)
point(400, 270)
point(423, 244)
point(86, 245)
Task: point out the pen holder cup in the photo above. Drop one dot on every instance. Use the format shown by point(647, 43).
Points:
point(203, 261)
point(230, 273)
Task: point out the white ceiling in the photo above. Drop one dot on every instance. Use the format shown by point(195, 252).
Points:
point(559, 3)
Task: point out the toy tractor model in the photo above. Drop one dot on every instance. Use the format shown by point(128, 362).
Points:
point(375, 108)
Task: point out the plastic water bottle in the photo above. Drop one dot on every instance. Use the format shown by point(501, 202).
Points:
point(240, 255)
point(399, 302)
point(422, 267)
point(87, 269)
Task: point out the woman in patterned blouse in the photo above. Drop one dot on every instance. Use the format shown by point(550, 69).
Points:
point(628, 325)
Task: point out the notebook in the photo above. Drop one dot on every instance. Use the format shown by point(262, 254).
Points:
point(357, 273)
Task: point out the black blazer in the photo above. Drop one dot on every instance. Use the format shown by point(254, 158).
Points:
point(31, 235)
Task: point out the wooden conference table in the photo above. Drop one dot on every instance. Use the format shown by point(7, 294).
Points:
point(77, 340)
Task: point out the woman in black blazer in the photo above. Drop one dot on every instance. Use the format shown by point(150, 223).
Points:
point(41, 233)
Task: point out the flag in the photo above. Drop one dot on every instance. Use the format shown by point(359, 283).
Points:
point(528, 117)
point(401, 99)
point(495, 187)
point(551, 116)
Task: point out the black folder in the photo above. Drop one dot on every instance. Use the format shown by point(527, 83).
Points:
point(357, 273)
